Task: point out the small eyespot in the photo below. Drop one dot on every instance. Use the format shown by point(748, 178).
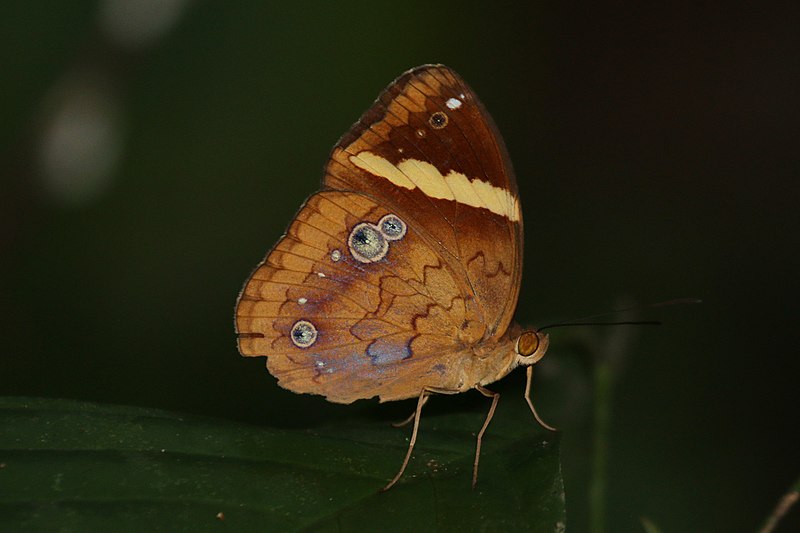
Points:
point(366, 243)
point(392, 227)
point(303, 334)
point(336, 255)
point(438, 120)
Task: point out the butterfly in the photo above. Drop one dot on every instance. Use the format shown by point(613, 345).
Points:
point(400, 277)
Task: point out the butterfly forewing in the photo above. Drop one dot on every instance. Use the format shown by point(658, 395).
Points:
point(428, 150)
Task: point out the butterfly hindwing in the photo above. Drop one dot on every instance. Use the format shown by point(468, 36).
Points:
point(382, 327)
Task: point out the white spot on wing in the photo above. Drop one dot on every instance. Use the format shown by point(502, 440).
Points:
point(453, 103)
point(302, 301)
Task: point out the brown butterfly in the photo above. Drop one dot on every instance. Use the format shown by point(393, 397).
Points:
point(399, 279)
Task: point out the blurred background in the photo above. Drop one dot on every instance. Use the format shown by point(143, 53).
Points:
point(153, 151)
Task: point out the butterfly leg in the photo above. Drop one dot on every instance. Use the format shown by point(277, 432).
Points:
point(530, 403)
point(423, 397)
point(495, 396)
point(411, 417)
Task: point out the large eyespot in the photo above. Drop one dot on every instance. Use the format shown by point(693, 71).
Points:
point(367, 243)
point(392, 227)
point(438, 120)
point(303, 334)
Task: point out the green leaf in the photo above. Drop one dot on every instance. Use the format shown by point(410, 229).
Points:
point(67, 465)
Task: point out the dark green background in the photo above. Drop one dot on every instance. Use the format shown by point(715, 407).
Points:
point(656, 153)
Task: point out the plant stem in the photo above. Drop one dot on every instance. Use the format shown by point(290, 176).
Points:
point(603, 387)
point(610, 358)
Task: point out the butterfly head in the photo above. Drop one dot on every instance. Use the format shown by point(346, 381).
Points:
point(531, 347)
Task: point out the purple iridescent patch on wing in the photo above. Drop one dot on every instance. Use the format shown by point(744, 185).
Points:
point(389, 350)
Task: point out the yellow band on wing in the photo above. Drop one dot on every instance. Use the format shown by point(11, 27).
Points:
point(415, 174)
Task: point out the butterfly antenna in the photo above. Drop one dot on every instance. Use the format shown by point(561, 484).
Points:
point(620, 323)
point(587, 320)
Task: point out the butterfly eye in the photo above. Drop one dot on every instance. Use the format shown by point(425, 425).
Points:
point(531, 347)
point(392, 227)
point(304, 334)
point(438, 120)
point(367, 244)
point(527, 343)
